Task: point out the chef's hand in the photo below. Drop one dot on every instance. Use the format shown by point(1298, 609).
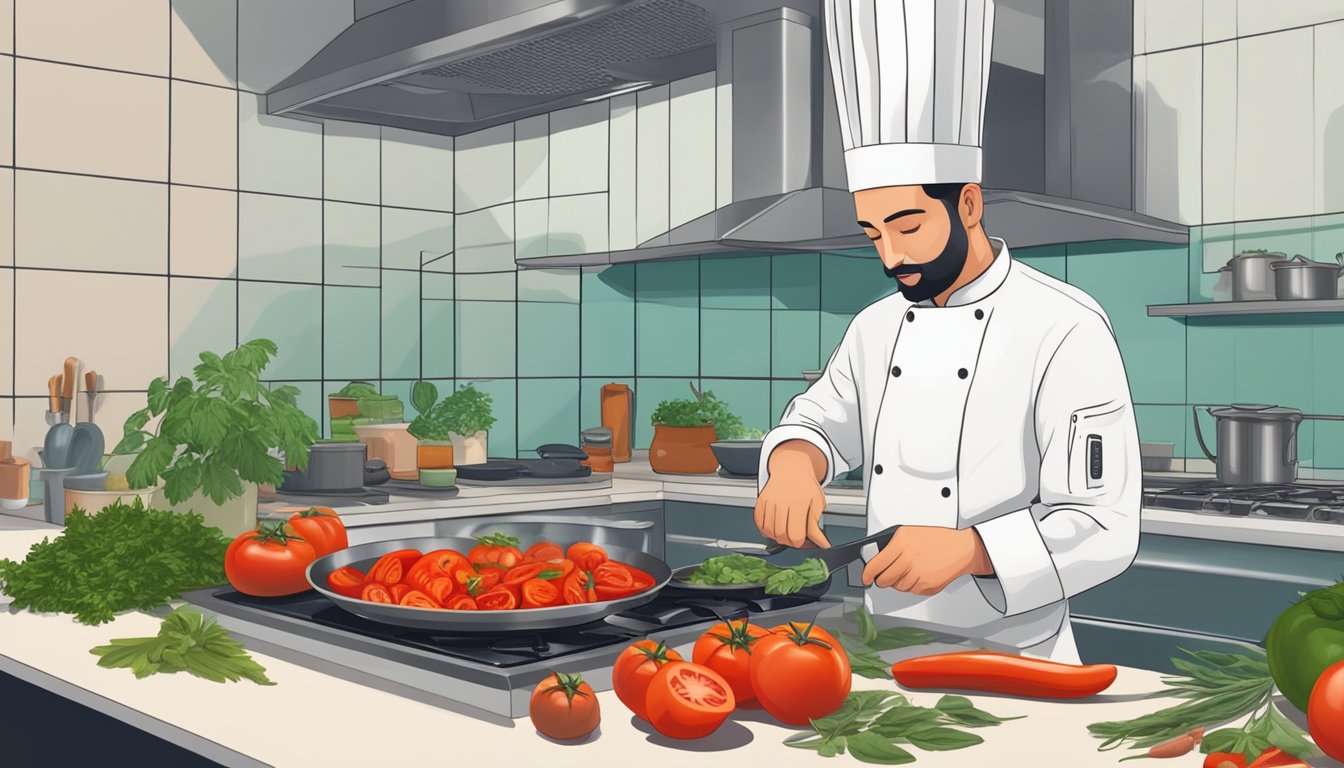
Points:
point(790, 505)
point(923, 560)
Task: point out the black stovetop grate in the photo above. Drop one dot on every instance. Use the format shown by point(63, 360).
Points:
point(1322, 503)
point(516, 648)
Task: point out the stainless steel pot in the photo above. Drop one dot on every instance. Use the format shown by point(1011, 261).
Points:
point(331, 467)
point(1257, 444)
point(1252, 279)
point(1302, 279)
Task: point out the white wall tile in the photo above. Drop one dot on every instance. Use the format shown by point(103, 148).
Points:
point(579, 146)
point(1173, 137)
point(118, 331)
point(1275, 147)
point(279, 238)
point(1258, 16)
point(530, 222)
point(1220, 20)
point(6, 26)
point(484, 240)
point(6, 218)
point(204, 136)
point(350, 152)
point(202, 317)
point(531, 163)
point(205, 41)
point(6, 333)
point(276, 38)
point(129, 35)
point(651, 169)
point(578, 224)
point(1172, 24)
point(350, 251)
point(1220, 131)
point(484, 168)
point(1329, 112)
point(550, 285)
point(691, 178)
point(413, 238)
point(129, 137)
point(621, 205)
point(6, 110)
point(277, 154)
point(417, 170)
point(81, 222)
point(203, 236)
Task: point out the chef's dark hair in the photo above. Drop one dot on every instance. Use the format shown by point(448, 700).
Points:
point(948, 193)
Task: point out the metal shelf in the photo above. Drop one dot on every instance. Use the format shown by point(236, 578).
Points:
point(1220, 308)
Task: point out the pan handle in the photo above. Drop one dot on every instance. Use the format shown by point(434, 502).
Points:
point(702, 541)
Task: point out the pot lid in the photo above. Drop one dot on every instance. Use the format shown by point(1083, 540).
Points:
point(1301, 262)
point(1257, 412)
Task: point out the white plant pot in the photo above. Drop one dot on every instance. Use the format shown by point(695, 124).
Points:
point(234, 517)
point(471, 449)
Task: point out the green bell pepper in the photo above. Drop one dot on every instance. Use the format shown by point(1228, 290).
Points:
point(1305, 640)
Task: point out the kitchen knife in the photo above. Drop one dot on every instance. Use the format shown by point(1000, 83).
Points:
point(54, 386)
point(70, 384)
point(90, 391)
point(841, 556)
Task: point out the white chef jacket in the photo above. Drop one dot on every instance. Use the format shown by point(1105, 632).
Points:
point(986, 412)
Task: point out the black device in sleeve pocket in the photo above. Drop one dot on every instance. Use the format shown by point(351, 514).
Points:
point(1094, 458)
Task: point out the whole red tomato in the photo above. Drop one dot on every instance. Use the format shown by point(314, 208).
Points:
point(322, 528)
point(268, 562)
point(564, 707)
point(1325, 711)
point(799, 673)
point(633, 671)
point(727, 649)
point(688, 701)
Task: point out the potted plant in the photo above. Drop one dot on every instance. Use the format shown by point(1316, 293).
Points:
point(435, 447)
point(468, 417)
point(683, 431)
point(218, 437)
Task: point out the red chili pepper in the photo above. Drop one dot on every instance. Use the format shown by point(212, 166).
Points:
point(1217, 759)
point(995, 672)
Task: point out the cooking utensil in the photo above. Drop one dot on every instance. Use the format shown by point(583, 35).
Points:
point(375, 472)
point(70, 384)
point(86, 448)
point(331, 467)
point(91, 387)
point(363, 556)
point(1257, 444)
point(1252, 279)
point(54, 388)
point(53, 493)
point(738, 457)
point(1300, 279)
point(56, 446)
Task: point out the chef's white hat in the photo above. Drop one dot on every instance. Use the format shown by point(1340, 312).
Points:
point(910, 80)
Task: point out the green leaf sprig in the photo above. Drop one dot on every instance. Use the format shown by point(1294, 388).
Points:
point(705, 410)
point(874, 725)
point(219, 429)
point(125, 557)
point(464, 412)
point(1218, 688)
point(187, 642)
point(863, 650)
point(744, 569)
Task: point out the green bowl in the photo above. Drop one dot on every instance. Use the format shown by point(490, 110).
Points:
point(438, 478)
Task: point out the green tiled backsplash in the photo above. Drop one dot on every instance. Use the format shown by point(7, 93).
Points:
point(747, 326)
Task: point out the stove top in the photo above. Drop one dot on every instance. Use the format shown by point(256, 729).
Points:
point(1322, 503)
point(491, 672)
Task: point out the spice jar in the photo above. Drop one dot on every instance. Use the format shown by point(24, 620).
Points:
point(15, 474)
point(597, 444)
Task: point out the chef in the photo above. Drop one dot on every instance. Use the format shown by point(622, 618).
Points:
point(986, 402)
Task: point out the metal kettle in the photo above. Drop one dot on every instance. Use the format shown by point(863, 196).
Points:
point(1257, 444)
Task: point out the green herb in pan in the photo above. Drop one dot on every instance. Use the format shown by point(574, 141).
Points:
point(745, 569)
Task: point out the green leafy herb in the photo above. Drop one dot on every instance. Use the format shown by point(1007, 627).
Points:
point(797, 578)
point(1218, 688)
point(745, 569)
point(705, 410)
point(358, 389)
point(186, 643)
point(423, 396)
point(464, 413)
point(219, 429)
point(122, 558)
point(863, 650)
point(498, 539)
point(872, 726)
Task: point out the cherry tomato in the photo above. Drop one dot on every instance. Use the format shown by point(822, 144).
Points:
point(635, 668)
point(543, 551)
point(799, 673)
point(399, 590)
point(441, 589)
point(688, 701)
point(321, 527)
point(417, 599)
point(377, 592)
point(488, 577)
point(579, 588)
point(727, 649)
point(538, 593)
point(436, 564)
point(461, 603)
point(1325, 711)
point(347, 581)
point(498, 549)
point(519, 574)
point(586, 555)
point(268, 563)
point(497, 598)
point(564, 707)
point(392, 567)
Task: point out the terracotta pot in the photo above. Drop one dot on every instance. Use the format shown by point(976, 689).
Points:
point(682, 450)
point(342, 407)
point(434, 454)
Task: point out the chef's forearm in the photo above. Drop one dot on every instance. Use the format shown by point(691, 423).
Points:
point(795, 456)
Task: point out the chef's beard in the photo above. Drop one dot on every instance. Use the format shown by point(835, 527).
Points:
point(938, 274)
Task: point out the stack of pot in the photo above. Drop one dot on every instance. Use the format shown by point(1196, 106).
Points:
point(1264, 275)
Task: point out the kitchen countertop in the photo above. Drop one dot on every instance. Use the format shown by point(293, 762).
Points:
point(52, 651)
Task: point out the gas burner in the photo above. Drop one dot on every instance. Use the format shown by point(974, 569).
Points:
point(1321, 503)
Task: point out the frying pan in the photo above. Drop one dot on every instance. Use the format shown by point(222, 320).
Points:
point(363, 556)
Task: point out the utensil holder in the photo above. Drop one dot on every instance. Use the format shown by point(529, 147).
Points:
point(53, 494)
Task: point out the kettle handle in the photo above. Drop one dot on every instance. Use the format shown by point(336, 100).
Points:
point(1292, 443)
point(1194, 410)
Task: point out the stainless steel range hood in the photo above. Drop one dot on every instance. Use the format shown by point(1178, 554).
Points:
point(1058, 125)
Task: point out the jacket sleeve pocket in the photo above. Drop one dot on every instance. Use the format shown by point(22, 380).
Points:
point(1096, 449)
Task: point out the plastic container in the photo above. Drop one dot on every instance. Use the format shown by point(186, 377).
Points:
point(434, 454)
point(618, 416)
point(15, 476)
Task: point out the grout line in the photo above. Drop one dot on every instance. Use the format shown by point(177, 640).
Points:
point(13, 218)
point(168, 265)
point(237, 182)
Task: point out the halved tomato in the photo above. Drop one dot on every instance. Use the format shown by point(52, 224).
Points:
point(519, 574)
point(461, 603)
point(417, 599)
point(497, 548)
point(375, 592)
point(487, 576)
point(399, 590)
point(441, 589)
point(498, 598)
point(586, 555)
point(391, 568)
point(539, 593)
point(579, 588)
point(543, 551)
point(688, 701)
point(441, 562)
point(347, 581)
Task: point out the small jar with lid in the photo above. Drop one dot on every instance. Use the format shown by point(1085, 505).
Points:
point(15, 474)
point(597, 444)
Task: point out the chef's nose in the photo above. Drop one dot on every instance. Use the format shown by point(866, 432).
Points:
point(891, 257)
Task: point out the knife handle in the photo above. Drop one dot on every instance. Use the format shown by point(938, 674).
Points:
point(70, 382)
point(54, 392)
